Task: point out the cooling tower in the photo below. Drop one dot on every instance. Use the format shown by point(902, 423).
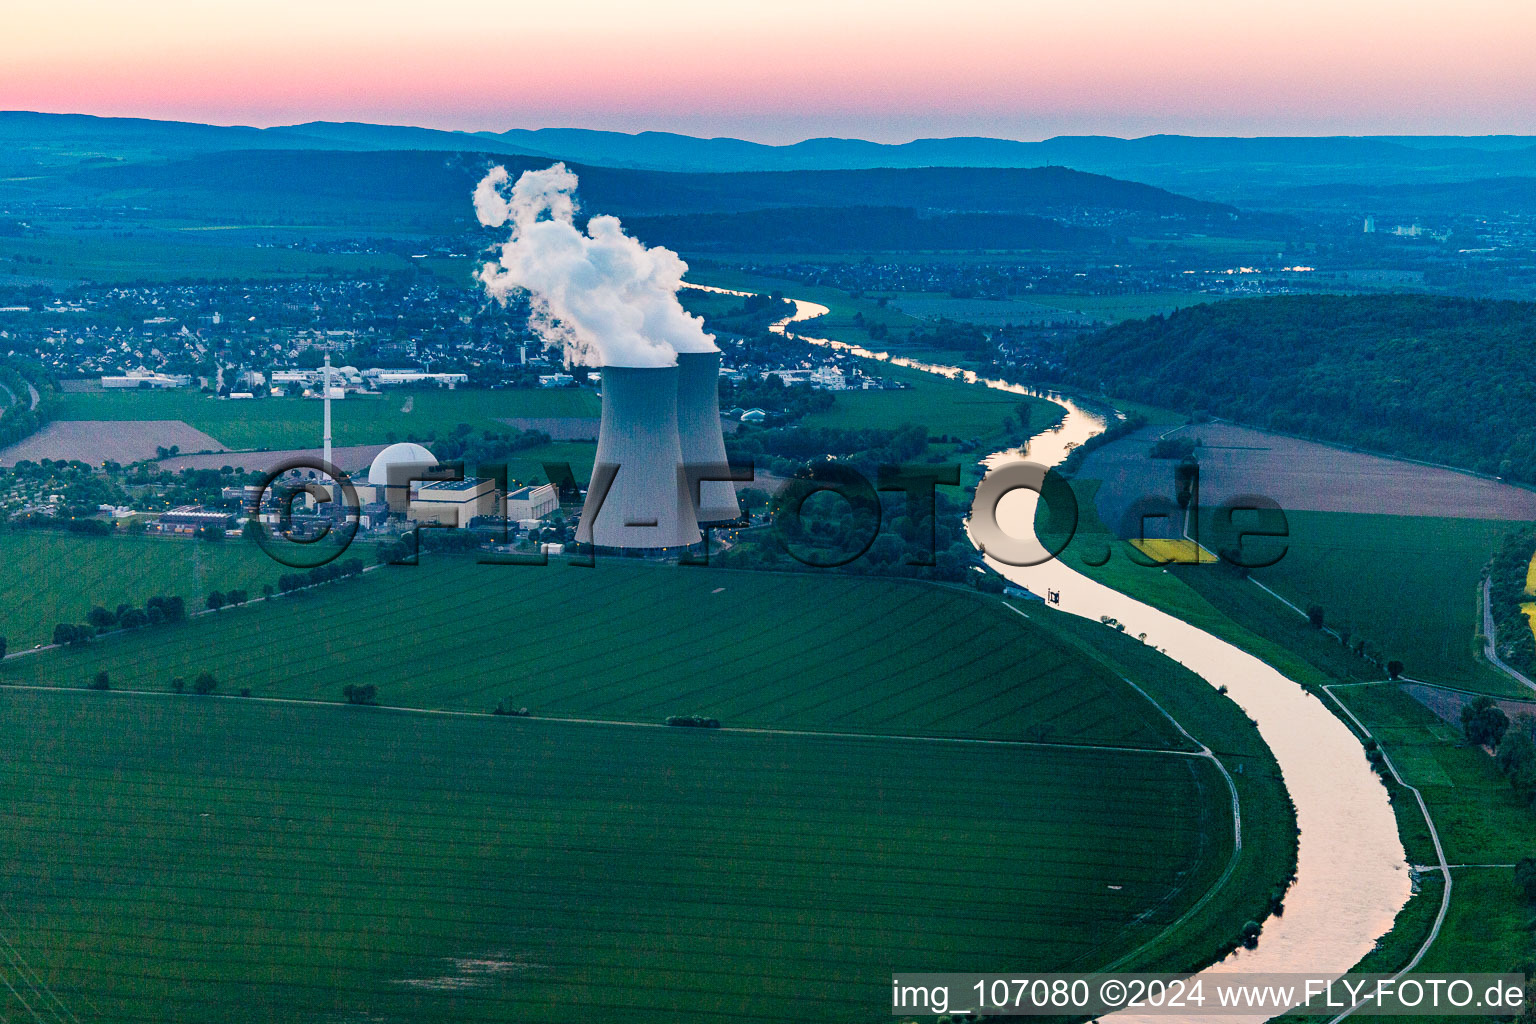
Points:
point(638, 497)
point(698, 428)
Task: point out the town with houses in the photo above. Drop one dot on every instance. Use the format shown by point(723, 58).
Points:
point(258, 341)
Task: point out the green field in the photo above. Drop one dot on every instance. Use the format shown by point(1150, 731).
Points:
point(943, 406)
point(58, 577)
point(1407, 584)
point(900, 658)
point(1480, 817)
point(361, 864)
point(1032, 308)
point(1481, 821)
point(1123, 307)
point(181, 858)
point(296, 422)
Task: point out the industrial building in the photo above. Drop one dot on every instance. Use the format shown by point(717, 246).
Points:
point(528, 503)
point(146, 380)
point(390, 475)
point(186, 520)
point(453, 503)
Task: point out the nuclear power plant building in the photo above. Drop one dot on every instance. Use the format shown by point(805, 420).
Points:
point(699, 434)
point(638, 498)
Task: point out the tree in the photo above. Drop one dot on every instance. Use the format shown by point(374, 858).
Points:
point(2, 646)
point(236, 597)
point(102, 681)
point(1186, 478)
point(1394, 669)
point(178, 685)
point(1483, 722)
point(69, 633)
point(1517, 759)
point(1525, 877)
point(1517, 751)
point(205, 683)
point(100, 617)
point(365, 693)
point(215, 600)
point(1315, 615)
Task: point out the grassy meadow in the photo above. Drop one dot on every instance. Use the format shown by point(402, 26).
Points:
point(183, 858)
point(1408, 584)
point(1482, 825)
point(943, 406)
point(473, 869)
point(58, 577)
point(900, 657)
point(296, 422)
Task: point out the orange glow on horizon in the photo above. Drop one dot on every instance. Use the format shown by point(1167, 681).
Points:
point(783, 71)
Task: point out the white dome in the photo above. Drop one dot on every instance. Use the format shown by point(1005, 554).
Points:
point(397, 463)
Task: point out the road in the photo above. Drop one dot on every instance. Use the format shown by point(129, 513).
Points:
point(1489, 650)
point(11, 400)
point(1444, 868)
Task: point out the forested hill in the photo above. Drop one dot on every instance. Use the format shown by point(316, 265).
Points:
point(1442, 379)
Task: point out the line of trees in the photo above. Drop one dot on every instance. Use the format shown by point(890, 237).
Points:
point(157, 610)
point(219, 598)
point(1512, 637)
point(18, 420)
point(331, 571)
point(1485, 724)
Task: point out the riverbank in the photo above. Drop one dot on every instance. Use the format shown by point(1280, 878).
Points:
point(1352, 873)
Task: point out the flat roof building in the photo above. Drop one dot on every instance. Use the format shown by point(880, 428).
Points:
point(185, 520)
point(532, 502)
point(452, 502)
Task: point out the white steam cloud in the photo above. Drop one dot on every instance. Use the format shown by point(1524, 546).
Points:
point(603, 297)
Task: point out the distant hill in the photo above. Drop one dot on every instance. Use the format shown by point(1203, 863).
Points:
point(65, 139)
point(1442, 379)
point(1227, 168)
point(430, 191)
point(858, 229)
point(1157, 158)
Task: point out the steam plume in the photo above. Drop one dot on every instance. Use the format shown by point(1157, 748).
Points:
point(603, 297)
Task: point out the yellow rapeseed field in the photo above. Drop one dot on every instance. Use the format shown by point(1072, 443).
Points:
point(1180, 552)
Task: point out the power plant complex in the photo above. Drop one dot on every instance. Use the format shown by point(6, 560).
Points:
point(660, 432)
point(611, 303)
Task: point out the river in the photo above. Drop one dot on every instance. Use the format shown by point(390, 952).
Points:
point(1352, 876)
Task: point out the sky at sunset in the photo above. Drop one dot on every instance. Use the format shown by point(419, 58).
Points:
point(787, 70)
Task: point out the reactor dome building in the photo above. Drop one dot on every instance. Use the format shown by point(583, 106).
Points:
point(394, 468)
